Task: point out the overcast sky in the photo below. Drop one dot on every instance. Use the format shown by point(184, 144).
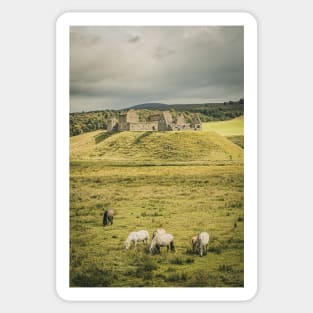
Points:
point(116, 67)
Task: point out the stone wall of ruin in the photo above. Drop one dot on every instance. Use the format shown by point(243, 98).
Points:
point(143, 126)
point(112, 124)
point(123, 125)
point(132, 117)
point(159, 122)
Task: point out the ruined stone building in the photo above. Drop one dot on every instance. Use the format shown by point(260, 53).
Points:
point(129, 121)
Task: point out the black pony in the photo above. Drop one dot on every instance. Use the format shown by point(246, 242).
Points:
point(108, 217)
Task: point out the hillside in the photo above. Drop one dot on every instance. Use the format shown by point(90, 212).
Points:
point(154, 147)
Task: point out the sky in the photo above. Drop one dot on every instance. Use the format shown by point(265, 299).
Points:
point(117, 67)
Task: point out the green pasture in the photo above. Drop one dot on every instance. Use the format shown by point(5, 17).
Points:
point(197, 187)
point(234, 127)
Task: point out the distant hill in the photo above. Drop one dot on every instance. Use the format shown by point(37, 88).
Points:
point(150, 106)
point(193, 107)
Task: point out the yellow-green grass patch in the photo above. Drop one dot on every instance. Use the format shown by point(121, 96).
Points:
point(234, 127)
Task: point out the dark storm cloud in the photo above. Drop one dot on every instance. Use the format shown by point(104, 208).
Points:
point(113, 67)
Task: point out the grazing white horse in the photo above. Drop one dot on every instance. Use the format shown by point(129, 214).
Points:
point(136, 236)
point(203, 242)
point(162, 240)
point(158, 231)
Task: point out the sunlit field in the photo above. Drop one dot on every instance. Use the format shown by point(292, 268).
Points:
point(232, 127)
point(185, 182)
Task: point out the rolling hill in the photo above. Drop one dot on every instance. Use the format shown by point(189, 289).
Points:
point(150, 106)
point(154, 147)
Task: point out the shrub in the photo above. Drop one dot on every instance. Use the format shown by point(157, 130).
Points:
point(240, 219)
point(181, 261)
point(170, 269)
point(177, 261)
point(176, 277)
point(190, 251)
point(145, 265)
point(215, 249)
point(225, 268)
point(198, 279)
point(149, 266)
point(92, 277)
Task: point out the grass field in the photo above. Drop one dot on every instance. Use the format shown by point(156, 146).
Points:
point(231, 129)
point(185, 182)
point(234, 127)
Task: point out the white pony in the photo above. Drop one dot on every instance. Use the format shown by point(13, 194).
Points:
point(158, 231)
point(136, 236)
point(162, 240)
point(203, 242)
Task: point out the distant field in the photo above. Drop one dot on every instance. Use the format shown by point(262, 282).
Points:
point(234, 127)
point(184, 182)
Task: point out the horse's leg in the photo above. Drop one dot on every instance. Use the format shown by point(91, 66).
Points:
point(105, 219)
point(172, 246)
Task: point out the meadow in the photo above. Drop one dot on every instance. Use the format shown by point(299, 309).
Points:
point(185, 182)
point(234, 127)
point(231, 129)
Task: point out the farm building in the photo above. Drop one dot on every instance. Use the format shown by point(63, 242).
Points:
point(129, 121)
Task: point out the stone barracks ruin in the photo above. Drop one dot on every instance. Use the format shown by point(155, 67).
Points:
point(129, 121)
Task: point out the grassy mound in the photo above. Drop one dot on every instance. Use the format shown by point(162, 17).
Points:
point(154, 147)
